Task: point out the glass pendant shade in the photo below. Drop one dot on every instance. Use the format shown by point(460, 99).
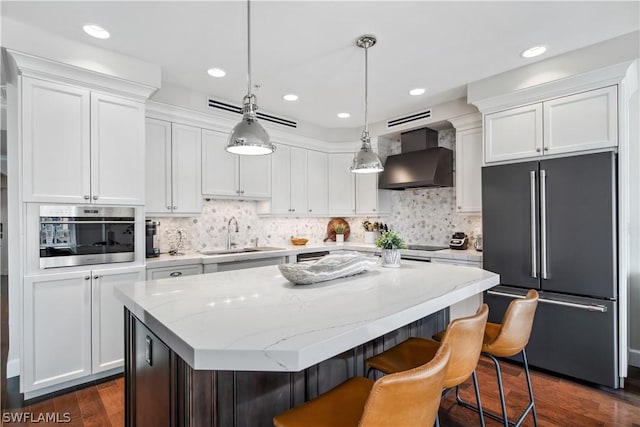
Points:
point(248, 137)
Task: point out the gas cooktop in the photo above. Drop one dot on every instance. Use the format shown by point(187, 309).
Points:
point(426, 247)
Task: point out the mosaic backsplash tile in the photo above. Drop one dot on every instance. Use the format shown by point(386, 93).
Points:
point(425, 216)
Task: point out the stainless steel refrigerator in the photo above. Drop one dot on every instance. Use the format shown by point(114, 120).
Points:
point(550, 225)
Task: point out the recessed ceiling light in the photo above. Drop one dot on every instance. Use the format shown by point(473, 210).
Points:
point(290, 97)
point(416, 91)
point(96, 31)
point(534, 51)
point(216, 72)
point(344, 115)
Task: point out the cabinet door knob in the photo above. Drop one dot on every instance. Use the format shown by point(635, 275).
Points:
point(546, 148)
point(374, 210)
point(87, 277)
point(87, 197)
point(310, 210)
point(176, 273)
point(459, 207)
point(95, 197)
point(242, 191)
point(96, 277)
point(168, 207)
point(537, 150)
point(175, 207)
point(293, 210)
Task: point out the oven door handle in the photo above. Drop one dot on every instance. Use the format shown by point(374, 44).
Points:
point(87, 222)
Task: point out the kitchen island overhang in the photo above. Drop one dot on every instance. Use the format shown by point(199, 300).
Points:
point(237, 348)
point(255, 320)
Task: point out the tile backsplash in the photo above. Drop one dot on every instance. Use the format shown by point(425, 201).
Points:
point(425, 215)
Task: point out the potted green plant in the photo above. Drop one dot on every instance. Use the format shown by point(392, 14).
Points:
point(391, 243)
point(339, 229)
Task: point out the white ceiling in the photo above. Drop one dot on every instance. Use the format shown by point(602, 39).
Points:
point(308, 47)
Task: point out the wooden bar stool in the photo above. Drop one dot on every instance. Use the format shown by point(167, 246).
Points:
point(409, 398)
point(506, 340)
point(464, 337)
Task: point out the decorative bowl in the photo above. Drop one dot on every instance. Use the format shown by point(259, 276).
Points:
point(330, 267)
point(299, 241)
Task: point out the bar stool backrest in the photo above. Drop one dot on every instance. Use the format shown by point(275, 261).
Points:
point(409, 397)
point(464, 336)
point(516, 326)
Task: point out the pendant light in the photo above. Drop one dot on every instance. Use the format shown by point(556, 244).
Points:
point(249, 137)
point(366, 160)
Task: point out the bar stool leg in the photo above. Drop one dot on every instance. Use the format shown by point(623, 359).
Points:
point(477, 390)
point(532, 403)
point(500, 389)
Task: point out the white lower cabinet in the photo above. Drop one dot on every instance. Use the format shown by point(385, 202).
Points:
point(73, 325)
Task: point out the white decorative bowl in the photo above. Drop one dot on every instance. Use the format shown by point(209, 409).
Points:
point(328, 268)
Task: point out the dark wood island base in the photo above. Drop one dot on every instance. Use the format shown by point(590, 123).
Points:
point(161, 389)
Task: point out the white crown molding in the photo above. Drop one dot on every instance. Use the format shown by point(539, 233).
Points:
point(37, 67)
point(601, 77)
point(468, 121)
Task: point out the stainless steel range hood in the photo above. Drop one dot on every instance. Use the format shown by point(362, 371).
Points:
point(421, 164)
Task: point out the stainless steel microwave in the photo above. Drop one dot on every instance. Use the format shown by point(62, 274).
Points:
point(81, 235)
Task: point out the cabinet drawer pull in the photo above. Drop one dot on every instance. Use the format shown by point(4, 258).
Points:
point(148, 350)
point(175, 273)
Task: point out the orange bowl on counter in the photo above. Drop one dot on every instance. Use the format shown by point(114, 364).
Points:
point(299, 241)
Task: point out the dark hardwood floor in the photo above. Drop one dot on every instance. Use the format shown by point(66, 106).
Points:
point(560, 402)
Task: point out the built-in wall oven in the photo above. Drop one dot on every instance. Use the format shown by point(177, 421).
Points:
point(80, 235)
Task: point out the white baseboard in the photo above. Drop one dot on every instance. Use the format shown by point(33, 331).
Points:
point(13, 368)
point(634, 358)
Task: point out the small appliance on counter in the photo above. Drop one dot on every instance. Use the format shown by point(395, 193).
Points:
point(459, 241)
point(153, 247)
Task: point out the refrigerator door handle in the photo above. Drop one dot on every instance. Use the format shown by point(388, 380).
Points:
point(543, 224)
point(589, 307)
point(534, 248)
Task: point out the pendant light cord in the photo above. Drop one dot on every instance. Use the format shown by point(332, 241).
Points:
point(249, 49)
point(366, 86)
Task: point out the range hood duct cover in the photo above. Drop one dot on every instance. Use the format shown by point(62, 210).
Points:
point(421, 164)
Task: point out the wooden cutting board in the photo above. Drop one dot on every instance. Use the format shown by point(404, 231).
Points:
point(331, 234)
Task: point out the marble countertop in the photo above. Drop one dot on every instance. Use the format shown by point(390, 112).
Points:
point(189, 258)
point(255, 320)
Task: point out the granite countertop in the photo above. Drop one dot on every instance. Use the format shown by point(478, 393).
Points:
point(255, 320)
point(189, 258)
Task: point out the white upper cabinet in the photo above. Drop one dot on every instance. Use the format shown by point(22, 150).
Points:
point(56, 142)
point(341, 184)
point(469, 170)
point(317, 183)
point(227, 175)
point(117, 150)
point(580, 122)
point(158, 166)
point(186, 190)
point(289, 181)
point(173, 169)
point(583, 121)
point(220, 169)
point(513, 134)
point(366, 193)
point(81, 147)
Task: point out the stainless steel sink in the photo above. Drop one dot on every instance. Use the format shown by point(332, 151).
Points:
point(240, 250)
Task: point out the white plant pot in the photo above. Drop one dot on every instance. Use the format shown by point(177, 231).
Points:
point(339, 239)
point(370, 237)
point(391, 257)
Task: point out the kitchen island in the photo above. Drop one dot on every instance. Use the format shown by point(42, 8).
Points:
point(238, 347)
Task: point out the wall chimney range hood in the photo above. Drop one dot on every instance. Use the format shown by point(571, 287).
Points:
point(421, 164)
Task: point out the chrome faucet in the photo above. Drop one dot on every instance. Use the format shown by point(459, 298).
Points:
point(233, 218)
